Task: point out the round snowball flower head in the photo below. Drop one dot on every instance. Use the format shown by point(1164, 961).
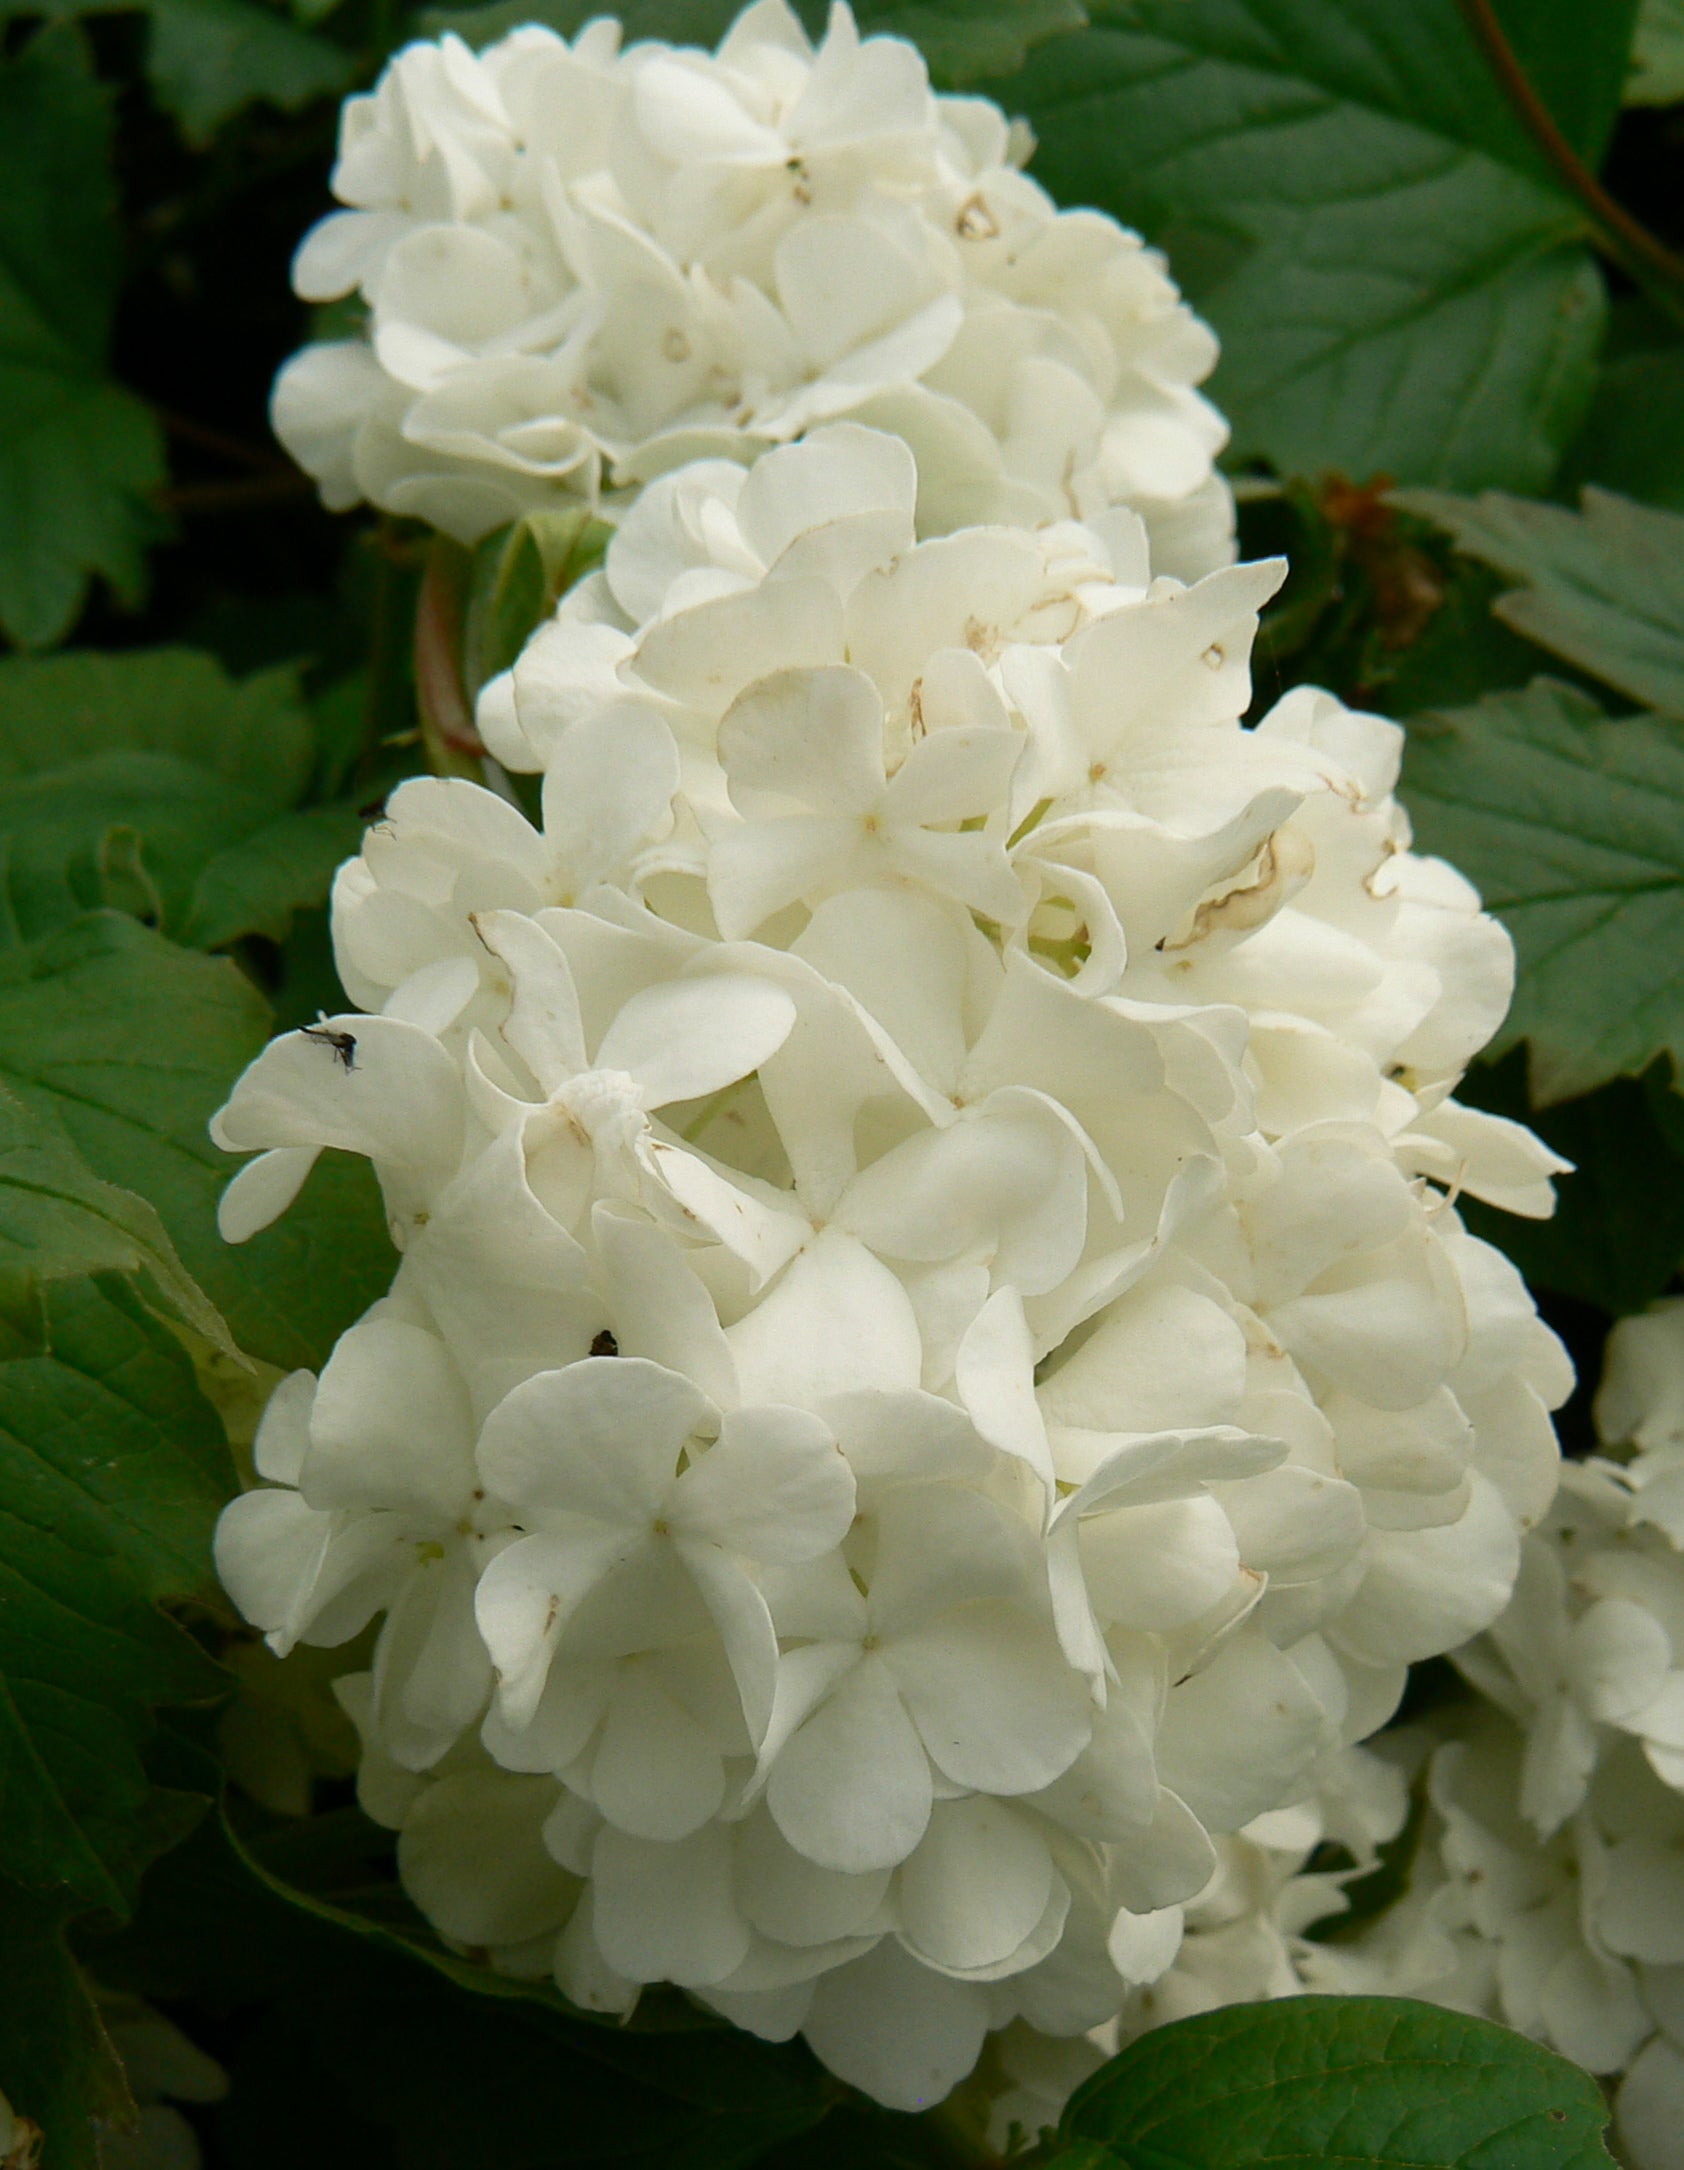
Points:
point(582, 265)
point(933, 1375)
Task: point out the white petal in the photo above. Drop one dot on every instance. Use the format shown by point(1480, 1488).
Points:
point(262, 1190)
point(852, 1789)
point(902, 2035)
point(608, 786)
point(976, 1887)
point(1295, 1525)
point(1173, 1861)
point(472, 1858)
point(810, 739)
point(543, 1024)
point(835, 1321)
point(1641, 1915)
point(656, 1772)
point(695, 1036)
point(664, 1913)
point(792, 1899)
point(399, 1100)
point(661, 1309)
point(568, 1712)
point(1110, 1792)
point(1237, 1738)
point(1162, 1358)
point(775, 1486)
point(1144, 1946)
point(391, 1425)
point(908, 1435)
point(994, 1373)
point(269, 1552)
point(994, 1701)
point(283, 1431)
point(582, 1974)
point(796, 497)
point(1649, 2109)
point(1158, 1567)
point(524, 1602)
point(1428, 1590)
point(598, 1439)
point(706, 655)
point(1618, 1657)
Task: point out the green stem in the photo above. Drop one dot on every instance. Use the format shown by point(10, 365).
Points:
point(453, 745)
point(1624, 238)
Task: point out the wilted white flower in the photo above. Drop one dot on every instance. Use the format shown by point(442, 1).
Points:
point(583, 266)
point(934, 1375)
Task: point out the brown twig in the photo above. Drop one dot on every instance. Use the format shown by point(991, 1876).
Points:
point(1625, 238)
point(208, 439)
point(453, 745)
point(285, 487)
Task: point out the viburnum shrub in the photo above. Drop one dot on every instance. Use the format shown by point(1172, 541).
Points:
point(877, 1327)
point(934, 1366)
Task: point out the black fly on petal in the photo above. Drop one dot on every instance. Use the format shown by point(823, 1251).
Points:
point(343, 1044)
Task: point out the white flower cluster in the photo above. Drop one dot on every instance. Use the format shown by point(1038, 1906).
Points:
point(934, 1371)
point(583, 266)
point(1246, 1934)
point(1547, 1887)
point(1564, 1828)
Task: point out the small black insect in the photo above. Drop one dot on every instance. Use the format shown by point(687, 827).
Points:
point(604, 1344)
point(344, 1044)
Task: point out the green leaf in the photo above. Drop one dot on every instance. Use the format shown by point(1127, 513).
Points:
point(1572, 825)
point(127, 1046)
point(1581, 78)
point(153, 782)
point(78, 455)
point(962, 40)
point(1630, 442)
point(460, 2065)
point(1617, 1235)
point(1363, 2082)
point(57, 2066)
point(1399, 281)
point(209, 59)
point(1657, 54)
point(1604, 587)
point(112, 1471)
point(516, 577)
point(58, 1221)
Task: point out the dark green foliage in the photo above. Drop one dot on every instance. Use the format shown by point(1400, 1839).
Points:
point(78, 454)
point(112, 1470)
point(152, 783)
point(57, 2069)
point(1572, 825)
point(1366, 2082)
point(1399, 279)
